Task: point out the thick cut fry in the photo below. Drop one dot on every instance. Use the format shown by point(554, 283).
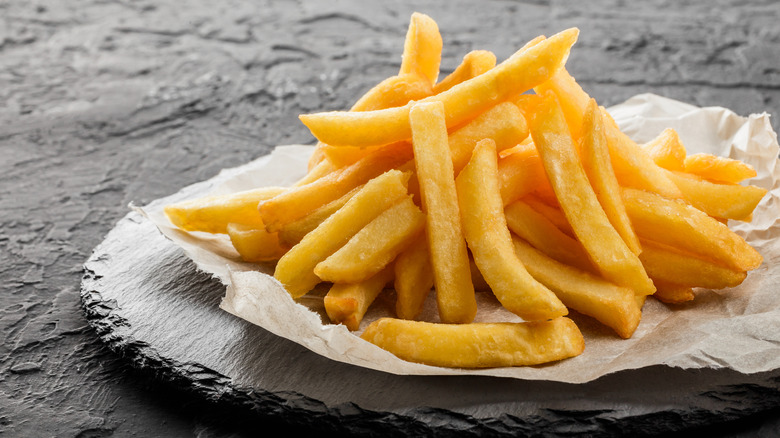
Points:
point(347, 303)
point(667, 150)
point(671, 293)
point(293, 232)
point(679, 225)
point(477, 345)
point(255, 244)
point(422, 48)
point(612, 305)
point(323, 167)
point(212, 214)
point(393, 92)
point(553, 213)
point(295, 270)
point(297, 202)
point(723, 201)
point(413, 279)
point(521, 173)
point(375, 246)
point(449, 256)
point(668, 265)
point(718, 169)
point(598, 167)
point(535, 228)
point(572, 98)
point(522, 71)
point(487, 235)
point(474, 64)
point(609, 253)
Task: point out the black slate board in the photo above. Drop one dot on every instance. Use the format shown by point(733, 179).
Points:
point(148, 302)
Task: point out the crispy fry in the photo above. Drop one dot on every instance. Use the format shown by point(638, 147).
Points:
point(347, 303)
point(393, 92)
point(375, 246)
point(667, 150)
point(295, 270)
point(669, 265)
point(719, 200)
point(255, 244)
point(422, 48)
point(521, 173)
point(293, 232)
point(671, 293)
point(718, 169)
point(477, 345)
point(474, 64)
point(485, 228)
point(522, 71)
point(449, 256)
point(413, 279)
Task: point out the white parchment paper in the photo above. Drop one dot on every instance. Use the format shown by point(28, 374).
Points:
point(736, 328)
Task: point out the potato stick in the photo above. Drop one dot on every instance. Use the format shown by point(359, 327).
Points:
point(474, 64)
point(316, 157)
point(612, 305)
point(477, 345)
point(522, 71)
point(677, 224)
point(255, 244)
point(422, 48)
point(686, 270)
point(552, 213)
point(535, 228)
point(297, 202)
point(374, 246)
point(723, 201)
point(607, 250)
point(212, 214)
point(449, 256)
point(322, 168)
point(393, 92)
point(347, 303)
point(671, 293)
point(666, 150)
point(718, 169)
point(571, 96)
point(346, 155)
point(293, 232)
point(521, 173)
point(413, 279)
point(487, 235)
point(598, 167)
point(295, 270)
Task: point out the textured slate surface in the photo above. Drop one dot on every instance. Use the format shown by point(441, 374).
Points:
point(104, 103)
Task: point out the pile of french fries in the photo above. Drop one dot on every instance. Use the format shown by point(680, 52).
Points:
point(499, 178)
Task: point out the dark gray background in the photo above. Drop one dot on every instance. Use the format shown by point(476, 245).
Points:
point(103, 103)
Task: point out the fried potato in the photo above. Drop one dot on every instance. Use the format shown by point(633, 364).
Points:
point(606, 248)
point(522, 71)
point(667, 150)
point(487, 235)
point(718, 169)
point(212, 214)
point(477, 345)
point(719, 200)
point(671, 293)
point(347, 303)
point(521, 173)
point(255, 244)
point(374, 246)
point(295, 270)
point(449, 256)
point(474, 64)
point(612, 305)
point(422, 48)
point(393, 92)
point(669, 265)
point(293, 232)
point(413, 279)
point(322, 167)
point(679, 225)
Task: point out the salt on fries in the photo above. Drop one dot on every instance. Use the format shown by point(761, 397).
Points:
point(500, 178)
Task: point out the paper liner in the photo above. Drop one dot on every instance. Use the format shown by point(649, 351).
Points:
point(736, 328)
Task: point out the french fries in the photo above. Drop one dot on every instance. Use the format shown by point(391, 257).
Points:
point(470, 184)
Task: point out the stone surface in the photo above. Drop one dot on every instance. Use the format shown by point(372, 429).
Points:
point(107, 103)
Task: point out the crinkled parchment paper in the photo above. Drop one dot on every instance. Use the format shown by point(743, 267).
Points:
point(736, 328)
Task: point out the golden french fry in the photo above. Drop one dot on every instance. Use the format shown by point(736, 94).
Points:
point(477, 345)
point(606, 248)
point(255, 244)
point(521, 172)
point(571, 97)
point(719, 200)
point(679, 225)
point(718, 169)
point(612, 305)
point(449, 256)
point(667, 150)
point(295, 270)
point(598, 167)
point(422, 48)
point(293, 232)
point(413, 279)
point(393, 92)
point(487, 235)
point(521, 72)
point(375, 246)
point(323, 167)
point(474, 64)
point(212, 214)
point(297, 202)
point(538, 230)
point(671, 293)
point(553, 213)
point(347, 303)
point(668, 265)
